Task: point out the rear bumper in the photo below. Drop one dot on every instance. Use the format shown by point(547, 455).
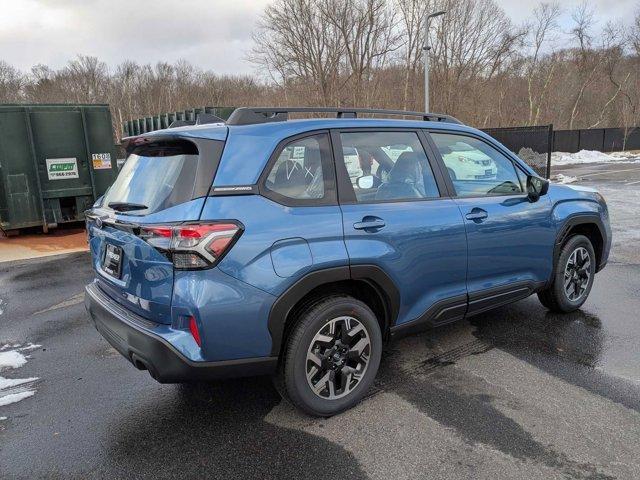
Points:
point(130, 335)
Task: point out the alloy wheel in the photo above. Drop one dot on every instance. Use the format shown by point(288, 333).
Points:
point(338, 357)
point(577, 274)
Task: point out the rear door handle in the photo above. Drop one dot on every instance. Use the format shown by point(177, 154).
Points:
point(369, 224)
point(477, 214)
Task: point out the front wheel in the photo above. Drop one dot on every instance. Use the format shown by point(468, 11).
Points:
point(332, 355)
point(574, 273)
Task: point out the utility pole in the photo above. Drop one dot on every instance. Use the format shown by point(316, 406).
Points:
point(426, 49)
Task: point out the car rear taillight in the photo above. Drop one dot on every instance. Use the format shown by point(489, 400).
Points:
point(193, 246)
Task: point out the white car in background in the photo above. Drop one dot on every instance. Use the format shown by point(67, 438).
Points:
point(352, 162)
point(467, 163)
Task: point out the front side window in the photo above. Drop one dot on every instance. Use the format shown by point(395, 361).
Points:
point(475, 167)
point(387, 166)
point(298, 170)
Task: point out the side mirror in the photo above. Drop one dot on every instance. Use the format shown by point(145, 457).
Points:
point(536, 187)
point(365, 182)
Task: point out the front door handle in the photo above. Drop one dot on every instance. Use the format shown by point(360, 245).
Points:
point(477, 215)
point(369, 224)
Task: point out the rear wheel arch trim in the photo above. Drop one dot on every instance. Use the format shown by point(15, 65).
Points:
point(371, 274)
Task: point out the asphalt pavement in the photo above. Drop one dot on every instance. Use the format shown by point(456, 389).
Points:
point(513, 393)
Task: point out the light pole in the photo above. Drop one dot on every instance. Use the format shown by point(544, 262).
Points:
point(426, 49)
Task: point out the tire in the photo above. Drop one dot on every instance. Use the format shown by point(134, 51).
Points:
point(452, 174)
point(556, 297)
point(349, 362)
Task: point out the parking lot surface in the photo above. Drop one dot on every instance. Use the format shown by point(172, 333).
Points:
point(33, 243)
point(513, 393)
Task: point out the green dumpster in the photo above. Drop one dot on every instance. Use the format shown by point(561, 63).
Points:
point(55, 160)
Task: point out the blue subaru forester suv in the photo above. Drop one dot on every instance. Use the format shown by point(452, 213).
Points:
point(266, 245)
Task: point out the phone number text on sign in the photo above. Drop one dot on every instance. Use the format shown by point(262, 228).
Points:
point(62, 168)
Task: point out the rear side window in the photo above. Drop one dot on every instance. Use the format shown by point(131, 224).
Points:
point(155, 176)
point(300, 174)
point(387, 166)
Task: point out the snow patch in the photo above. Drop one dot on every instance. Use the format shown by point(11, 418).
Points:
point(6, 383)
point(628, 155)
point(16, 397)
point(12, 359)
point(13, 390)
point(591, 156)
point(564, 179)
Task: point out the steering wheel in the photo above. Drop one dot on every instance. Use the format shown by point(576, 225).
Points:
point(505, 187)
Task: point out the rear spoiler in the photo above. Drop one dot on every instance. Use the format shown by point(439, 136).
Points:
point(129, 143)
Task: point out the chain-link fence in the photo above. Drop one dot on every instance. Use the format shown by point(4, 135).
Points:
point(532, 144)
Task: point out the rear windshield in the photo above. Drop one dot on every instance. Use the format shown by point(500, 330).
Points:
point(157, 176)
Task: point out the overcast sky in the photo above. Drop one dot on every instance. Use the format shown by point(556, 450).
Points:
point(213, 34)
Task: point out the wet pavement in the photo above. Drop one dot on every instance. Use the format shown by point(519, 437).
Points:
point(513, 393)
point(32, 243)
point(619, 182)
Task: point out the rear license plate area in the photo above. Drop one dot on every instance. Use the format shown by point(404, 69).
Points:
point(112, 260)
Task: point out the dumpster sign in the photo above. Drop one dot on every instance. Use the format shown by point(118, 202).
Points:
point(62, 168)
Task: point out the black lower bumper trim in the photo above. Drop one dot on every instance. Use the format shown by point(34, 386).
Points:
point(125, 332)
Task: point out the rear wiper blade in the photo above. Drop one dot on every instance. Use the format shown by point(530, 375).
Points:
point(126, 206)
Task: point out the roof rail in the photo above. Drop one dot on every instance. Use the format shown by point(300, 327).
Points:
point(251, 115)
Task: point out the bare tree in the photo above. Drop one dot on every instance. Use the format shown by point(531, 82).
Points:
point(367, 36)
point(294, 41)
point(613, 56)
point(634, 33)
point(412, 14)
point(11, 83)
point(587, 63)
point(474, 42)
point(543, 32)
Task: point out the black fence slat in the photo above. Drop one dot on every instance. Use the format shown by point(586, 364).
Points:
point(613, 139)
point(566, 141)
point(632, 138)
point(592, 139)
